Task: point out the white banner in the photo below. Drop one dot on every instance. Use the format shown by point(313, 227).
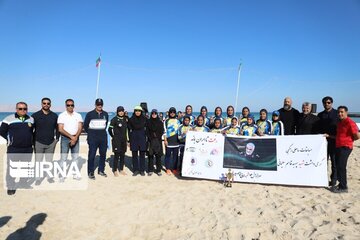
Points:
point(287, 160)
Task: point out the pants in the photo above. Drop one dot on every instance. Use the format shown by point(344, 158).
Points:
point(18, 156)
point(182, 148)
point(138, 162)
point(116, 165)
point(151, 163)
point(331, 149)
point(65, 148)
point(341, 158)
point(43, 149)
point(171, 163)
point(94, 144)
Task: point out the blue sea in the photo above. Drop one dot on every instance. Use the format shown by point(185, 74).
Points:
point(112, 114)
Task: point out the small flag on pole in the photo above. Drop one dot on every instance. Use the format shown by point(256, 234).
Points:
point(98, 61)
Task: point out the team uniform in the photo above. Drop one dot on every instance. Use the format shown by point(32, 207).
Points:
point(264, 126)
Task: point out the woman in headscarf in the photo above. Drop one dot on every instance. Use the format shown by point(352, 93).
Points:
point(137, 135)
point(200, 125)
point(264, 125)
point(171, 142)
point(154, 131)
point(118, 131)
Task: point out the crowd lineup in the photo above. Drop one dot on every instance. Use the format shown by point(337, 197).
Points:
point(146, 133)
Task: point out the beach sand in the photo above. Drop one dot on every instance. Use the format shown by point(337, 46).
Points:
point(167, 207)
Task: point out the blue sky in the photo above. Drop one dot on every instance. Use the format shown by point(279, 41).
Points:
point(174, 53)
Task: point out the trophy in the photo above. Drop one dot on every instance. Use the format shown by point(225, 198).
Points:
point(229, 178)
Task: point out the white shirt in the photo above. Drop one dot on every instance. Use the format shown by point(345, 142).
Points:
point(70, 121)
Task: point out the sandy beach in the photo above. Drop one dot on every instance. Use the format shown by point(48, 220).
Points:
point(167, 207)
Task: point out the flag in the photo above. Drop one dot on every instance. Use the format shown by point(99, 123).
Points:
point(98, 61)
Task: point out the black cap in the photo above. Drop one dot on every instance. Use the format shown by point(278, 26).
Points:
point(99, 101)
point(172, 109)
point(154, 111)
point(120, 109)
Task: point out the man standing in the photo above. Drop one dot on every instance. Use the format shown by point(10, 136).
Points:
point(307, 123)
point(289, 116)
point(17, 129)
point(328, 121)
point(45, 125)
point(347, 133)
point(95, 125)
point(70, 124)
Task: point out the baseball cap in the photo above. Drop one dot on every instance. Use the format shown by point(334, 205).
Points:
point(138, 108)
point(276, 113)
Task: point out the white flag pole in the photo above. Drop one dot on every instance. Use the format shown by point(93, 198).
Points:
point(98, 79)
point(237, 89)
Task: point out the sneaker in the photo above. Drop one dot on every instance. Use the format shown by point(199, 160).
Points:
point(11, 192)
point(168, 172)
point(91, 176)
point(150, 173)
point(158, 173)
point(142, 173)
point(116, 174)
point(175, 172)
point(340, 190)
point(50, 180)
point(77, 178)
point(122, 172)
point(135, 173)
point(103, 174)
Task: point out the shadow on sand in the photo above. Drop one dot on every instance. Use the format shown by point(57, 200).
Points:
point(29, 232)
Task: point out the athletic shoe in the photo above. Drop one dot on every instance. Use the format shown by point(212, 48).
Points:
point(175, 172)
point(150, 173)
point(158, 173)
point(11, 192)
point(340, 190)
point(102, 174)
point(136, 173)
point(91, 176)
point(142, 173)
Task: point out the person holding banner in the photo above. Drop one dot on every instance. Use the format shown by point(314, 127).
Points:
point(264, 125)
point(183, 130)
point(328, 122)
point(347, 133)
point(277, 127)
point(234, 128)
point(200, 125)
point(217, 126)
point(249, 128)
point(289, 116)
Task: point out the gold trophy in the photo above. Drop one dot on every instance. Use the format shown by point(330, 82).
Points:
point(229, 178)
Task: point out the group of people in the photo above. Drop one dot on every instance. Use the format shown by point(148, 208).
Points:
point(146, 134)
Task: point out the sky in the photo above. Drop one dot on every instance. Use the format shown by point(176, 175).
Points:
point(175, 53)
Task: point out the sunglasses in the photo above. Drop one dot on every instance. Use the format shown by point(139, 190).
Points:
point(70, 105)
point(22, 109)
point(46, 103)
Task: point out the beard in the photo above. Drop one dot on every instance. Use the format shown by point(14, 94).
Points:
point(287, 107)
